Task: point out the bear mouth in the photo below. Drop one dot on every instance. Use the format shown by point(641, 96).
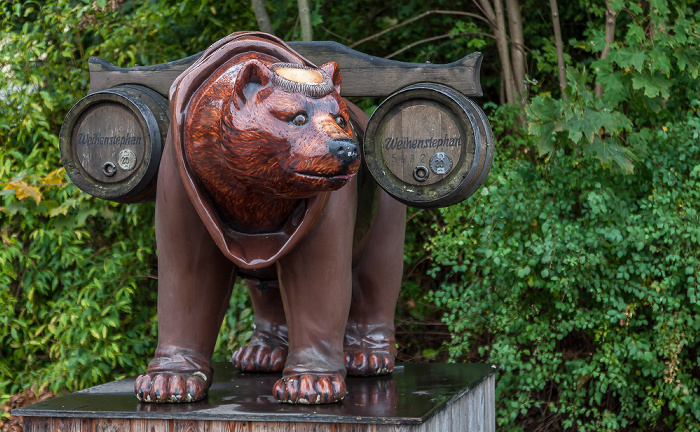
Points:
point(333, 177)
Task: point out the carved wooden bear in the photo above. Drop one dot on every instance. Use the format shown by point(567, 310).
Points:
point(258, 180)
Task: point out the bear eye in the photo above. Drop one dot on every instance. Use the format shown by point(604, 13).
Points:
point(300, 119)
point(340, 121)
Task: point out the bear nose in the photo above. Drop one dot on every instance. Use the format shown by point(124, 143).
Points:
point(345, 150)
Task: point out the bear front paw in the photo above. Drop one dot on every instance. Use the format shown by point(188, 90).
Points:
point(171, 387)
point(259, 358)
point(310, 389)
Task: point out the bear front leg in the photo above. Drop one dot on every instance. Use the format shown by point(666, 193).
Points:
point(316, 284)
point(370, 345)
point(194, 285)
point(267, 349)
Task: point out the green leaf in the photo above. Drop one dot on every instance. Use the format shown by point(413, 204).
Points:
point(686, 59)
point(609, 152)
point(544, 114)
point(660, 61)
point(615, 88)
point(579, 123)
point(630, 58)
point(653, 85)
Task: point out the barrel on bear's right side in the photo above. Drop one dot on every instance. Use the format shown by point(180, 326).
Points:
point(429, 146)
point(111, 143)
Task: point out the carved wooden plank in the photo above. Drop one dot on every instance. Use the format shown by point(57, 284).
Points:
point(149, 425)
point(191, 426)
point(229, 426)
point(37, 424)
point(313, 427)
point(110, 425)
point(104, 75)
point(68, 424)
point(366, 75)
point(363, 75)
point(356, 427)
point(256, 426)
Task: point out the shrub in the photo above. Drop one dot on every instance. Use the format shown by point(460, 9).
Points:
point(582, 283)
point(77, 274)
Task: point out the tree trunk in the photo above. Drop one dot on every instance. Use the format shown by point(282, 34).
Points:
point(496, 17)
point(517, 51)
point(305, 20)
point(261, 16)
point(560, 47)
point(610, 18)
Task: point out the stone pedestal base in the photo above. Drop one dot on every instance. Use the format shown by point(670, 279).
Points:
point(416, 397)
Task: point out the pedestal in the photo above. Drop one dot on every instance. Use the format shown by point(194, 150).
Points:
point(416, 397)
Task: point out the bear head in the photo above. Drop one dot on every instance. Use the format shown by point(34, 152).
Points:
point(286, 131)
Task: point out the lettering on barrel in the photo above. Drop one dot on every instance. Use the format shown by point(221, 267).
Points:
point(393, 143)
point(412, 133)
point(119, 140)
point(109, 142)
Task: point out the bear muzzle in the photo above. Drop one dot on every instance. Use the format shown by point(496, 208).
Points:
point(344, 149)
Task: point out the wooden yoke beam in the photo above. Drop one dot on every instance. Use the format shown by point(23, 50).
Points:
point(363, 75)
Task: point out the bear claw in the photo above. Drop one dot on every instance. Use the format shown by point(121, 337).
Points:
point(259, 358)
point(170, 387)
point(310, 389)
point(360, 363)
point(369, 350)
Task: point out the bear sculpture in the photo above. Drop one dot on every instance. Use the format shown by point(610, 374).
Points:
point(258, 179)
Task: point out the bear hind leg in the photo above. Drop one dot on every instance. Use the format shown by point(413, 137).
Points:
point(370, 345)
point(268, 346)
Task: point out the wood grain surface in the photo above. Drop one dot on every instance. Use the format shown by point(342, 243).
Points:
point(363, 75)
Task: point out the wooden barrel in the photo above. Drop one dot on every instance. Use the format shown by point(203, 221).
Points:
point(485, 131)
point(111, 142)
point(429, 146)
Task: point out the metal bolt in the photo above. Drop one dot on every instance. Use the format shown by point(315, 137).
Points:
point(421, 173)
point(109, 169)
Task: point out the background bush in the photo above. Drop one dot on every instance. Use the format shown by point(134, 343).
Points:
point(575, 267)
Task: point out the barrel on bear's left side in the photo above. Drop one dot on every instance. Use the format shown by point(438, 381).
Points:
point(111, 143)
point(429, 146)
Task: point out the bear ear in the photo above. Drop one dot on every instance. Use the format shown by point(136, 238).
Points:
point(253, 74)
point(333, 71)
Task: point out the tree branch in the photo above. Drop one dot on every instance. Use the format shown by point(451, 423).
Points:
point(417, 17)
point(305, 20)
point(498, 26)
point(430, 39)
point(559, 45)
point(517, 53)
point(502, 39)
point(335, 34)
point(610, 18)
point(261, 16)
point(488, 12)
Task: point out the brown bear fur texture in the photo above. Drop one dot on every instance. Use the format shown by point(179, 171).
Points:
point(258, 180)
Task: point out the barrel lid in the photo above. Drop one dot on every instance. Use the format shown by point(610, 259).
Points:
point(111, 141)
point(424, 145)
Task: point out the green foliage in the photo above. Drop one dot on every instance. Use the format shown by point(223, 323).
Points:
point(575, 267)
point(653, 61)
point(237, 326)
point(583, 282)
point(77, 274)
point(577, 270)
